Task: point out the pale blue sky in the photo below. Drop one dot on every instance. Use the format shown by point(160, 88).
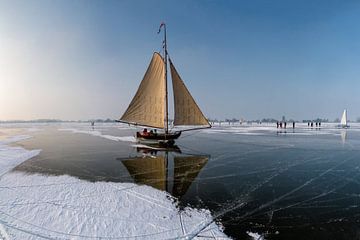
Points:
point(251, 59)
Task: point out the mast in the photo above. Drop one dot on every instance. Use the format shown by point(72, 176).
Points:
point(166, 87)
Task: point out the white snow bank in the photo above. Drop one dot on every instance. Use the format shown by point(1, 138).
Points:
point(64, 207)
point(9, 158)
point(3, 234)
point(13, 156)
point(33, 129)
point(265, 130)
point(255, 236)
point(99, 134)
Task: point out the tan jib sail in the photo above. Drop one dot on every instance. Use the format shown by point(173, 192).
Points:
point(148, 105)
point(186, 110)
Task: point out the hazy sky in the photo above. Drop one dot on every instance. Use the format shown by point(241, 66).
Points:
point(251, 59)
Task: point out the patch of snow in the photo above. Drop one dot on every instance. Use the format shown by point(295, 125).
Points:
point(36, 206)
point(265, 129)
point(12, 139)
point(3, 233)
point(255, 236)
point(34, 129)
point(99, 134)
point(13, 156)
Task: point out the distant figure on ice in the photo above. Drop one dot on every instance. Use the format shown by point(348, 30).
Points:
point(312, 124)
point(316, 124)
point(293, 124)
point(92, 123)
point(319, 124)
point(277, 124)
point(284, 124)
point(280, 124)
point(308, 124)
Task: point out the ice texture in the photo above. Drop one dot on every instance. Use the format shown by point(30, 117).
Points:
point(34, 206)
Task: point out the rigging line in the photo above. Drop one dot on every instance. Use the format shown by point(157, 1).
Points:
point(193, 150)
point(189, 135)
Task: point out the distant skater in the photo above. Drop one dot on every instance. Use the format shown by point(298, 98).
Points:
point(284, 124)
point(319, 124)
point(316, 124)
point(280, 124)
point(308, 124)
point(312, 124)
point(277, 124)
point(293, 124)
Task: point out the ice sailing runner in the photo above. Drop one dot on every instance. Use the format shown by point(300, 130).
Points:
point(149, 107)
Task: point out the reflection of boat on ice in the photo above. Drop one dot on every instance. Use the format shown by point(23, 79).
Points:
point(149, 107)
point(343, 122)
point(154, 148)
point(343, 136)
point(154, 170)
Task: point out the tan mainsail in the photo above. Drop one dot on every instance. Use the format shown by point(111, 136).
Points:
point(148, 105)
point(148, 170)
point(186, 110)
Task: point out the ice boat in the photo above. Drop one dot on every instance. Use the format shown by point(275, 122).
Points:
point(150, 106)
point(343, 122)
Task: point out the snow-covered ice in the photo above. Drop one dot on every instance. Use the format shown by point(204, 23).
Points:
point(13, 156)
point(34, 206)
point(65, 207)
point(255, 236)
point(99, 134)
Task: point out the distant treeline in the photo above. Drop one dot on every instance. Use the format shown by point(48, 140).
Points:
point(34, 121)
point(272, 120)
point(317, 120)
point(58, 121)
point(227, 120)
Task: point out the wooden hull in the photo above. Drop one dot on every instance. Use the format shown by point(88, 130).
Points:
point(160, 138)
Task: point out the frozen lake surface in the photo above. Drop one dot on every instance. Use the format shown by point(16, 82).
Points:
point(72, 181)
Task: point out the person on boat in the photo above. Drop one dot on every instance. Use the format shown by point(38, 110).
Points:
point(155, 132)
point(145, 132)
point(151, 132)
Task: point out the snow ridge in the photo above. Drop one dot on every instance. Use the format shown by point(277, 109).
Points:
point(99, 134)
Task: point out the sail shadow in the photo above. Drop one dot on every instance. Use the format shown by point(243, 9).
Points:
point(167, 171)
